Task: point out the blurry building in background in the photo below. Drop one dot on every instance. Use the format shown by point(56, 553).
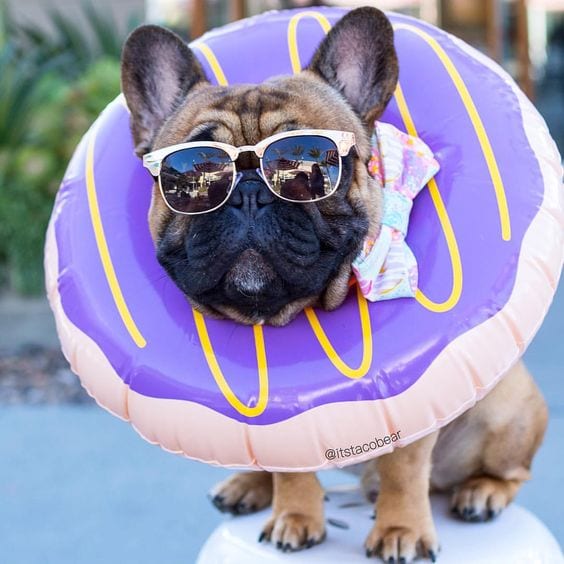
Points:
point(194, 17)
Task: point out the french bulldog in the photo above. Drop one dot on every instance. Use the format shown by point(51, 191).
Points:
point(258, 255)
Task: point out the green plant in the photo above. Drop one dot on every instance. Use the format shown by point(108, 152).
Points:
point(51, 89)
point(70, 47)
point(31, 171)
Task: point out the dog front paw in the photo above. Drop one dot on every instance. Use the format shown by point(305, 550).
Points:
point(482, 498)
point(293, 531)
point(401, 544)
point(243, 493)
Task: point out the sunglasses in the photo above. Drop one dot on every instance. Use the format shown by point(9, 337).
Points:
point(297, 166)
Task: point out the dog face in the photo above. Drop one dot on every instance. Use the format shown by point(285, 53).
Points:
point(259, 258)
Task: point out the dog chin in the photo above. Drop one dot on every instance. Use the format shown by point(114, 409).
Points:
point(277, 317)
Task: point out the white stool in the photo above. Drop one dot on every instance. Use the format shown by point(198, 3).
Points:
point(515, 537)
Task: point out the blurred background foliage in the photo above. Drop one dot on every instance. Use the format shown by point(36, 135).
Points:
point(54, 83)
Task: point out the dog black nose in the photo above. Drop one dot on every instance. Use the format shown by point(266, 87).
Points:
point(250, 194)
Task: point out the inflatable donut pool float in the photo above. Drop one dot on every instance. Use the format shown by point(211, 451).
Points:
point(329, 389)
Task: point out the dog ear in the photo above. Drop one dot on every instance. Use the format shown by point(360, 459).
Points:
point(358, 59)
point(157, 72)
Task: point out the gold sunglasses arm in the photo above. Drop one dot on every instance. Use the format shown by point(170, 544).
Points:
point(344, 140)
point(152, 162)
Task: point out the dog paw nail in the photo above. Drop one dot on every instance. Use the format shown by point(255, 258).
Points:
point(492, 514)
point(262, 536)
point(432, 556)
point(287, 547)
point(391, 560)
point(368, 553)
point(402, 560)
point(278, 544)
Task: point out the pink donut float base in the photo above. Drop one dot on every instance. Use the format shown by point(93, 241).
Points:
point(329, 389)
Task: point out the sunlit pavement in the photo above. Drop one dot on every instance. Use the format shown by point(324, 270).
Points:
point(80, 486)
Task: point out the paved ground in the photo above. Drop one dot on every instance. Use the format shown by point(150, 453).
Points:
point(79, 486)
point(25, 321)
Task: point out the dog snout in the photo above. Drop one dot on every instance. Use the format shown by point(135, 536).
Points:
point(250, 194)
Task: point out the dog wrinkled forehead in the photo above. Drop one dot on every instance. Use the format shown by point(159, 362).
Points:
point(244, 115)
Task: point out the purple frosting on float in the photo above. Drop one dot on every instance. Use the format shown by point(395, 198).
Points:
point(406, 336)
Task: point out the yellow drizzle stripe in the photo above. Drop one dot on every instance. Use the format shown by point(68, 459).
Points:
point(220, 380)
point(102, 245)
point(332, 355)
point(452, 245)
point(201, 327)
point(293, 35)
point(477, 124)
point(213, 62)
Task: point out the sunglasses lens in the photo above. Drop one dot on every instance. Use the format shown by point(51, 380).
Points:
point(196, 180)
point(302, 168)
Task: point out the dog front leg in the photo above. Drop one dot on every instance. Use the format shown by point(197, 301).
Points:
point(404, 525)
point(297, 519)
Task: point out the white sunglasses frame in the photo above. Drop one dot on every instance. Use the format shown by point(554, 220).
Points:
point(344, 141)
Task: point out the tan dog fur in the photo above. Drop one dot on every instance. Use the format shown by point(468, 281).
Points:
point(484, 455)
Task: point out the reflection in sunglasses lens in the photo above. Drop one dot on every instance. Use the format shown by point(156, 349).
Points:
point(196, 180)
point(302, 168)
